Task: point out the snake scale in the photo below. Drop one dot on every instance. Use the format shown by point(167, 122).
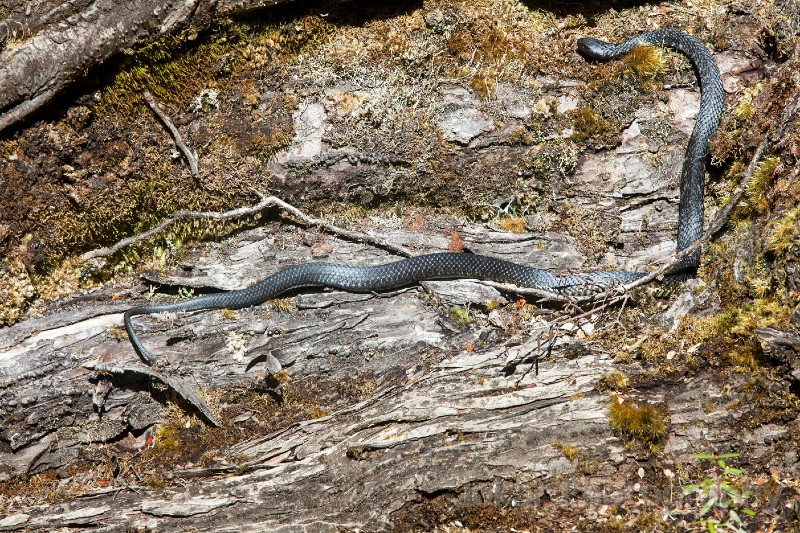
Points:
point(465, 265)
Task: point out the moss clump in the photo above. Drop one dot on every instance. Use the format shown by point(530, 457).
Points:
point(512, 224)
point(520, 137)
point(639, 423)
point(733, 333)
point(555, 158)
point(485, 53)
point(645, 61)
point(570, 452)
point(16, 291)
point(614, 381)
point(459, 316)
point(784, 234)
point(282, 305)
point(745, 107)
point(174, 68)
point(589, 125)
point(757, 185)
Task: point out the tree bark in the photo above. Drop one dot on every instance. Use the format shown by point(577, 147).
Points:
point(447, 404)
point(48, 48)
point(452, 410)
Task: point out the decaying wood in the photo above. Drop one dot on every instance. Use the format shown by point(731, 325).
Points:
point(46, 49)
point(462, 398)
point(428, 412)
point(184, 393)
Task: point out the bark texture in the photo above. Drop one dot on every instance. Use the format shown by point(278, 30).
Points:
point(447, 405)
point(48, 46)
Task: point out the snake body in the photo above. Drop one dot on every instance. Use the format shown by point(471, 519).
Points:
point(464, 265)
point(693, 173)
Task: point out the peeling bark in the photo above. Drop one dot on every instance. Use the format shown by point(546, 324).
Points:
point(442, 420)
point(428, 399)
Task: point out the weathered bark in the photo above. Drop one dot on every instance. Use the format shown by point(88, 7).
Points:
point(441, 409)
point(46, 47)
point(442, 420)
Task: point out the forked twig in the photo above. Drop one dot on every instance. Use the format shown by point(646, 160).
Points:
point(263, 203)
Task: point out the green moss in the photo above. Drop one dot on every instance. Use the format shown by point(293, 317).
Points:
point(783, 233)
point(553, 158)
point(640, 423)
point(742, 322)
point(758, 184)
point(459, 316)
point(589, 125)
point(614, 381)
point(645, 61)
point(744, 108)
point(174, 69)
point(570, 452)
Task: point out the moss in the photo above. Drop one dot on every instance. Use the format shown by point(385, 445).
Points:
point(728, 339)
point(46, 487)
point(783, 233)
point(173, 68)
point(16, 291)
point(645, 61)
point(589, 125)
point(614, 381)
point(742, 322)
point(228, 314)
point(182, 441)
point(553, 158)
point(758, 184)
point(744, 108)
point(282, 305)
point(512, 224)
point(485, 53)
point(570, 452)
point(640, 423)
point(492, 305)
point(459, 316)
point(520, 137)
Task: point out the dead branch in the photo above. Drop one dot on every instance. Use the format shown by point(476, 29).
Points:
point(68, 39)
point(264, 203)
point(172, 219)
point(357, 236)
point(181, 390)
point(189, 154)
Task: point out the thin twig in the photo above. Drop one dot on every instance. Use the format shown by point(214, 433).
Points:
point(173, 218)
point(188, 153)
point(336, 230)
point(264, 203)
point(181, 390)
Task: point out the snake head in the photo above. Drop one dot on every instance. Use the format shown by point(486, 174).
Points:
point(594, 48)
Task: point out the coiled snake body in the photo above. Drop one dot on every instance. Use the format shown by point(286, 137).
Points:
point(465, 265)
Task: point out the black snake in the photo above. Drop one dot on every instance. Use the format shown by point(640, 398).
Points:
point(465, 265)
